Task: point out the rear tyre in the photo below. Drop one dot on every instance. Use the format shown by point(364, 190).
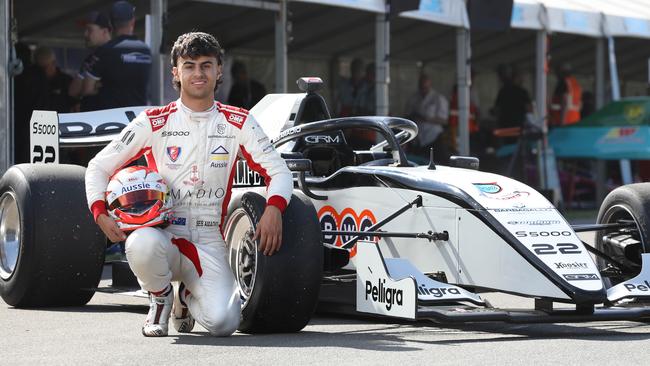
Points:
point(626, 203)
point(51, 251)
point(279, 292)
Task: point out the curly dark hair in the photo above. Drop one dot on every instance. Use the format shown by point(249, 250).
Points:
point(193, 45)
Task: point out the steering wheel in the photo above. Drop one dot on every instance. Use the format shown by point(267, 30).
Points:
point(406, 131)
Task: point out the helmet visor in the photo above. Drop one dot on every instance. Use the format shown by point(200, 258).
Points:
point(137, 202)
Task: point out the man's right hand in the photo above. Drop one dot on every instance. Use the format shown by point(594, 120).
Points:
point(110, 228)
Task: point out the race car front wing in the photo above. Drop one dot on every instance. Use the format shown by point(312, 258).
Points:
point(396, 288)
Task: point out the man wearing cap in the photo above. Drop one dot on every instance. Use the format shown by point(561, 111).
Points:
point(97, 32)
point(121, 68)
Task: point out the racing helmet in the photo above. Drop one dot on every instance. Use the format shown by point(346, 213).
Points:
point(137, 197)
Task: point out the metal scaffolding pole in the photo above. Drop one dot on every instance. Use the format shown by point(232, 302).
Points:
point(540, 76)
point(382, 62)
point(463, 81)
point(281, 48)
point(600, 73)
point(601, 168)
point(6, 86)
point(154, 39)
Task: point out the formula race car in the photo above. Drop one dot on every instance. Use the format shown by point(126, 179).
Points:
point(366, 229)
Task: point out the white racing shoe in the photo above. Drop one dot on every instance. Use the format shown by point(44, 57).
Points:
point(156, 324)
point(182, 320)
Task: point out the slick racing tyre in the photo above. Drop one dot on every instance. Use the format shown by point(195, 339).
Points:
point(279, 292)
point(629, 203)
point(51, 251)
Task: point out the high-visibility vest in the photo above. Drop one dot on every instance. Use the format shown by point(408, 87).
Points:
point(573, 104)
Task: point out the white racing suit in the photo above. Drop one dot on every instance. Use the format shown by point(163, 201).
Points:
point(196, 153)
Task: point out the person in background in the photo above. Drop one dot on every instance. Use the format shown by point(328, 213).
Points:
point(97, 32)
point(350, 91)
point(566, 102)
point(53, 83)
point(245, 92)
point(118, 72)
point(364, 105)
point(513, 101)
point(430, 110)
point(588, 104)
point(452, 130)
point(367, 95)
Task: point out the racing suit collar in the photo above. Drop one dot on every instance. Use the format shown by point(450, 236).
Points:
point(197, 116)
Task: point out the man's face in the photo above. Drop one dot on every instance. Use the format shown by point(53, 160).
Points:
point(198, 76)
point(47, 64)
point(95, 35)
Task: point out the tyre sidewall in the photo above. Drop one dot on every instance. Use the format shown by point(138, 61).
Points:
point(14, 288)
point(636, 199)
point(295, 263)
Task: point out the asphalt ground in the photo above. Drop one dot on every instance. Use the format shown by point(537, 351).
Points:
point(107, 332)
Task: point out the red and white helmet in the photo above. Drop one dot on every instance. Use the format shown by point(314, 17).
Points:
point(137, 197)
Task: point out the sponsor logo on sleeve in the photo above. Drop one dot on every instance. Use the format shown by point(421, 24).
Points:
point(158, 121)
point(235, 118)
point(117, 145)
point(128, 137)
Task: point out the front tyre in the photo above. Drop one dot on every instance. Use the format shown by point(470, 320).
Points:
point(279, 292)
point(629, 203)
point(51, 251)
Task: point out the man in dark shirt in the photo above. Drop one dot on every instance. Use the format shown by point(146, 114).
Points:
point(513, 101)
point(245, 92)
point(121, 67)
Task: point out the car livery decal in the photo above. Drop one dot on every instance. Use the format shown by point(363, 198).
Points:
point(347, 220)
point(490, 188)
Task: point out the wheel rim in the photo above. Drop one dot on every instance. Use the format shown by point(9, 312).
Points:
point(242, 252)
point(615, 214)
point(9, 235)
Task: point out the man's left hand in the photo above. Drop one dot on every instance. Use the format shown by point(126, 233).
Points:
point(269, 231)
